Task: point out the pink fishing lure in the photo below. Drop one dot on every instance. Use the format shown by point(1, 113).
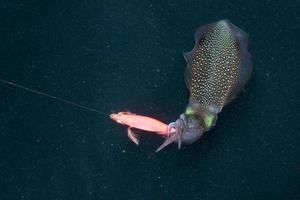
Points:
point(142, 123)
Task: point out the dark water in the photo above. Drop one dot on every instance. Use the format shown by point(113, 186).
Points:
point(116, 56)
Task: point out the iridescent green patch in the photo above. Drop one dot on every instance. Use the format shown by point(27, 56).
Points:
point(189, 110)
point(209, 120)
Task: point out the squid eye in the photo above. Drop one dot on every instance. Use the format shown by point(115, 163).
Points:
point(120, 114)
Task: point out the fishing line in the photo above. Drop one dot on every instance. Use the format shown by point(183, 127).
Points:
point(54, 97)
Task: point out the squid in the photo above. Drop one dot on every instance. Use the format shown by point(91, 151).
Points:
point(218, 67)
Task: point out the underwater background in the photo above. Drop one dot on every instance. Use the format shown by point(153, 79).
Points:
point(127, 55)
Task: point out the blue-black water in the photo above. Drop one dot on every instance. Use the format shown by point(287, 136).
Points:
point(116, 56)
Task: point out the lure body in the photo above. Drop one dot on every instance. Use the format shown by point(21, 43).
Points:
point(140, 122)
point(218, 67)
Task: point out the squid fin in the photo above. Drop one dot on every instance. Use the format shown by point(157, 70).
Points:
point(168, 141)
point(190, 56)
point(245, 66)
point(132, 136)
point(187, 76)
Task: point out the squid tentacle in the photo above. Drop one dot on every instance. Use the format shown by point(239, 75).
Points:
point(170, 128)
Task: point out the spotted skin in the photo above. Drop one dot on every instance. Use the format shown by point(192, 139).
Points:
point(214, 65)
point(218, 67)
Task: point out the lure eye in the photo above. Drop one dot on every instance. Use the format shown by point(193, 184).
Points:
point(120, 114)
